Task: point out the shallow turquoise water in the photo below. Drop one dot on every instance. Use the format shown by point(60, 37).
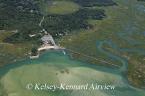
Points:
point(55, 68)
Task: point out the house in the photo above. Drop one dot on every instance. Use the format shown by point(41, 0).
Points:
point(48, 39)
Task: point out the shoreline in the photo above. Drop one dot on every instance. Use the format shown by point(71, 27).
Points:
point(69, 53)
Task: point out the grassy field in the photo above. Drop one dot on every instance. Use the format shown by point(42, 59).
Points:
point(63, 7)
point(59, 7)
point(10, 52)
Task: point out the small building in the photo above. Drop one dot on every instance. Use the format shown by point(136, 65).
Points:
point(32, 35)
point(48, 39)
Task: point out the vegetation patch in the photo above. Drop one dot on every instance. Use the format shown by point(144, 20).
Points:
point(65, 24)
point(10, 52)
point(91, 3)
point(62, 7)
point(124, 27)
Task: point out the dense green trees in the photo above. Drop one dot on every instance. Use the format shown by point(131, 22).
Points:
point(56, 24)
point(25, 15)
point(90, 3)
point(20, 15)
point(34, 51)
